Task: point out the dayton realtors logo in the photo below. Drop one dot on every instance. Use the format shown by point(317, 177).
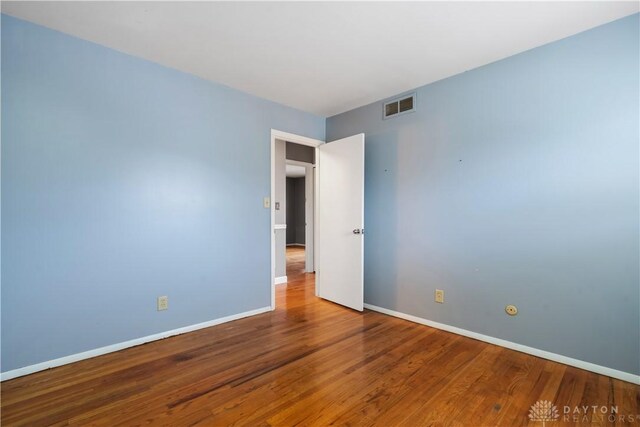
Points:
point(545, 411)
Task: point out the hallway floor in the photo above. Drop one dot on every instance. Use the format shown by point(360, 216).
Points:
point(295, 262)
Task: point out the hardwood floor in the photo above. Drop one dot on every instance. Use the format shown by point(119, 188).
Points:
point(295, 262)
point(311, 362)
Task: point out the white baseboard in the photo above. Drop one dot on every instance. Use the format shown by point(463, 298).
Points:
point(121, 346)
point(280, 280)
point(603, 370)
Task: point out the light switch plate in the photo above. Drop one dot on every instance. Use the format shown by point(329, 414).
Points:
point(266, 202)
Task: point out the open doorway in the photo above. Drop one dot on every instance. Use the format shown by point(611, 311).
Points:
point(338, 231)
point(296, 219)
point(293, 182)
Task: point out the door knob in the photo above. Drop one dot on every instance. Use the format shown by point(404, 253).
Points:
point(358, 231)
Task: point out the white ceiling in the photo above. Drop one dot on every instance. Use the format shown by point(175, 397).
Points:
point(295, 171)
point(324, 58)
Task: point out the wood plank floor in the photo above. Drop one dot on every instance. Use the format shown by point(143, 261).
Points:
point(312, 363)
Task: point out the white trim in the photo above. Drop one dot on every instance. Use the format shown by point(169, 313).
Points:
point(299, 163)
point(598, 369)
point(272, 221)
point(309, 217)
point(316, 228)
point(298, 139)
point(280, 227)
point(126, 344)
point(280, 280)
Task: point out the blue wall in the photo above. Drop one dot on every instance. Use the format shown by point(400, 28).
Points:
point(122, 181)
point(514, 183)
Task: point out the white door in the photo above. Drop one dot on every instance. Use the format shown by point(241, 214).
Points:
point(340, 237)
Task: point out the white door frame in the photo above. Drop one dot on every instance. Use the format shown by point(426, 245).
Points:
point(302, 140)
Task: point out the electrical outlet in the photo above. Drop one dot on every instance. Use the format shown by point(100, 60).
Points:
point(511, 310)
point(163, 303)
point(439, 296)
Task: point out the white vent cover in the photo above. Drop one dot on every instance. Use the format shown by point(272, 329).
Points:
point(398, 106)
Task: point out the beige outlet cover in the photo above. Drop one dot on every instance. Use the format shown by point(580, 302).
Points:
point(511, 310)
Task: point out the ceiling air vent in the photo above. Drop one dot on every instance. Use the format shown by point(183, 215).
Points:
point(398, 106)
